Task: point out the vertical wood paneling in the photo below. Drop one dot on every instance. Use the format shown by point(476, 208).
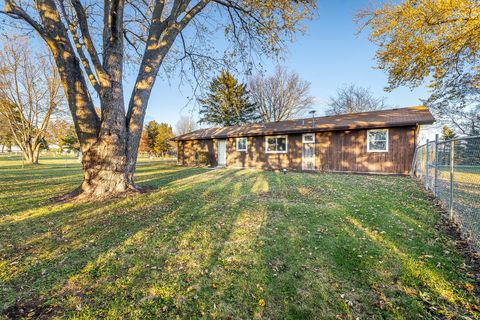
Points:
point(187, 150)
point(347, 151)
point(334, 151)
point(256, 157)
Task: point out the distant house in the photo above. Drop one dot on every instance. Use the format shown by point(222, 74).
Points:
point(374, 142)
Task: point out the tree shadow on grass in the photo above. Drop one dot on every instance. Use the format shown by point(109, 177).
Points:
point(50, 251)
point(218, 243)
point(340, 258)
point(30, 193)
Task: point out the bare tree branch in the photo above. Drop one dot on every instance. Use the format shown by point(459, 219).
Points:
point(87, 39)
point(281, 96)
point(15, 11)
point(78, 47)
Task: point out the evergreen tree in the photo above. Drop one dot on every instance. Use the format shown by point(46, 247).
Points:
point(158, 136)
point(447, 133)
point(228, 103)
point(472, 148)
point(152, 129)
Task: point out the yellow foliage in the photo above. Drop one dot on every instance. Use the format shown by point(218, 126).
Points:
point(426, 38)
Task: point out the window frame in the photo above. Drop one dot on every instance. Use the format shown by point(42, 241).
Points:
point(308, 134)
point(387, 140)
point(246, 144)
point(276, 151)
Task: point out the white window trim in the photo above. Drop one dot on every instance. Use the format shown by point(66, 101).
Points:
point(308, 134)
point(282, 136)
point(368, 140)
point(246, 144)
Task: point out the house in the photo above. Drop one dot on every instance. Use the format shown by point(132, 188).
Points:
point(373, 142)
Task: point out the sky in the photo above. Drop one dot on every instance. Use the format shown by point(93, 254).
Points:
point(329, 55)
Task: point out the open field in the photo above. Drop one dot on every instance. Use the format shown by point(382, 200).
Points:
point(227, 244)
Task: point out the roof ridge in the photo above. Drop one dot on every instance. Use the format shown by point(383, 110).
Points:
point(413, 115)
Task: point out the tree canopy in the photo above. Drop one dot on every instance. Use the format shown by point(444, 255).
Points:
point(30, 94)
point(280, 96)
point(227, 103)
point(159, 137)
point(185, 124)
point(434, 42)
point(447, 133)
point(351, 98)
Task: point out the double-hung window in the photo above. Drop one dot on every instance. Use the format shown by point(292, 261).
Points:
point(242, 144)
point(276, 144)
point(377, 140)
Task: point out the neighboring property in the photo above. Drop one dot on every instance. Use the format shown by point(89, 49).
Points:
point(376, 142)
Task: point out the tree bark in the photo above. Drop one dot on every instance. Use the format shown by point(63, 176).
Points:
point(109, 144)
point(104, 166)
point(31, 153)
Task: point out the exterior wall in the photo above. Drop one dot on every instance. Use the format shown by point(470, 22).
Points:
point(256, 157)
point(347, 151)
point(188, 149)
point(334, 151)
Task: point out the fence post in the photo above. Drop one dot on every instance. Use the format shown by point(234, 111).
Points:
point(452, 159)
point(435, 177)
point(426, 164)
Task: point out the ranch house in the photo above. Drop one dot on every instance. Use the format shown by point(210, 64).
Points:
point(371, 142)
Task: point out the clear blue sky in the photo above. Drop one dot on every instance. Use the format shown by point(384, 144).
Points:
point(329, 55)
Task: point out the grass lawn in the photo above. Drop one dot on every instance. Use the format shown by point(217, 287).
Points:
point(227, 244)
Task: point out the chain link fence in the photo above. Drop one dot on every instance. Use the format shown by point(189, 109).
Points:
point(451, 170)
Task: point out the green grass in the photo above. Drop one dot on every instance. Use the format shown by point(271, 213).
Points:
point(227, 244)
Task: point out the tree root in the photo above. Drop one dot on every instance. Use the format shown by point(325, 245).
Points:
point(82, 195)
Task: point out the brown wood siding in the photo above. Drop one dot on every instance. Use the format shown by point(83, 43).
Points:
point(256, 157)
point(347, 151)
point(334, 151)
point(188, 149)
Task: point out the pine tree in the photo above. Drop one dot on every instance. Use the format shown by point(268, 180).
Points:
point(228, 103)
point(447, 133)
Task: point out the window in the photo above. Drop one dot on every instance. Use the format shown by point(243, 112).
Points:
point(241, 144)
point(276, 144)
point(377, 140)
point(308, 138)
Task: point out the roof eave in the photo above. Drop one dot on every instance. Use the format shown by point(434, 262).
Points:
point(301, 130)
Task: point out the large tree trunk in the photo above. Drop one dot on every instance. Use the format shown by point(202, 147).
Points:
point(105, 171)
point(104, 167)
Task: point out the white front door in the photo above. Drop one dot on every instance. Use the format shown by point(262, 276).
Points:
point(308, 151)
point(222, 153)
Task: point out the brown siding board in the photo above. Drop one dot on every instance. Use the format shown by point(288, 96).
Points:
point(188, 149)
point(256, 157)
point(347, 151)
point(334, 151)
